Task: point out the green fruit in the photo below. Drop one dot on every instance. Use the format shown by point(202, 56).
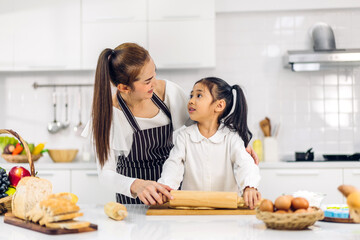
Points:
point(10, 191)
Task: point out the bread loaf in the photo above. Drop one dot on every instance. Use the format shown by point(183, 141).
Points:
point(29, 192)
point(115, 211)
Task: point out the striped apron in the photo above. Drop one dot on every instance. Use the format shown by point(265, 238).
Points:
point(150, 148)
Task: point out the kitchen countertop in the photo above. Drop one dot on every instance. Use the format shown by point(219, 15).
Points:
point(46, 163)
point(139, 226)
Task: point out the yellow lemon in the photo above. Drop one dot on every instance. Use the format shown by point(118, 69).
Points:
point(10, 191)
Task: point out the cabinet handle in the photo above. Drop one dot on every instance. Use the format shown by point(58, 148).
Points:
point(91, 174)
point(181, 17)
point(298, 173)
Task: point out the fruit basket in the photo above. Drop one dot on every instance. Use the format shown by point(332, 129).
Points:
point(5, 203)
point(290, 221)
point(19, 158)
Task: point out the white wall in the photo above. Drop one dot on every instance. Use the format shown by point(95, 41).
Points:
point(319, 110)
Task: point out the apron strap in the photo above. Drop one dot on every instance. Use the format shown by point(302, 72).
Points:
point(128, 114)
point(130, 117)
point(158, 102)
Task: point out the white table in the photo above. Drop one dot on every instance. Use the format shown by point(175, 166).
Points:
point(139, 226)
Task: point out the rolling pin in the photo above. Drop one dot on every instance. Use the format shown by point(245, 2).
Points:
point(206, 199)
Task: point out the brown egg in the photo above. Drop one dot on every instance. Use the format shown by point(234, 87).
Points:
point(299, 203)
point(289, 196)
point(301, 210)
point(266, 205)
point(281, 211)
point(283, 203)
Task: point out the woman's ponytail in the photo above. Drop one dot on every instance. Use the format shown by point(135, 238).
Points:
point(102, 106)
point(237, 120)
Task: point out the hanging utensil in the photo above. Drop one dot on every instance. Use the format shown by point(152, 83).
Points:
point(66, 123)
point(54, 126)
point(80, 126)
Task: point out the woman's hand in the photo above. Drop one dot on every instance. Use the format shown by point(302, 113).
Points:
point(150, 192)
point(253, 154)
point(251, 197)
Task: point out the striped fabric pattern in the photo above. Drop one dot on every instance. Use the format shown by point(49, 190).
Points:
point(149, 150)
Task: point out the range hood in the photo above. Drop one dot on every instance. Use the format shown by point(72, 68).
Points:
point(324, 55)
point(320, 60)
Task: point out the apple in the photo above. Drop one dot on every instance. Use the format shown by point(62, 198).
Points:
point(16, 173)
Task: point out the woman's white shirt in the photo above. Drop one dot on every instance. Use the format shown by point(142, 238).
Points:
point(121, 136)
point(218, 163)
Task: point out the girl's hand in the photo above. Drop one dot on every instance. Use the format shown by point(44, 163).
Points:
point(150, 192)
point(253, 154)
point(251, 197)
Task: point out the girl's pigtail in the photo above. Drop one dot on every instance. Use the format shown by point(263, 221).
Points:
point(102, 107)
point(238, 119)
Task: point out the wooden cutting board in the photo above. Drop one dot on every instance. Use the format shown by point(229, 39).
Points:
point(11, 219)
point(338, 220)
point(165, 210)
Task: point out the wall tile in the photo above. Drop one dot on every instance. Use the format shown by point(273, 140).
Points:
point(316, 109)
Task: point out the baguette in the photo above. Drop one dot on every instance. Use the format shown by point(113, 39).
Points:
point(57, 206)
point(67, 216)
point(115, 210)
point(68, 224)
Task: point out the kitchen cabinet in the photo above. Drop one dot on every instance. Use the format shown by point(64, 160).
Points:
point(181, 34)
point(352, 177)
point(173, 9)
point(60, 179)
point(275, 182)
point(231, 6)
point(46, 34)
point(107, 24)
point(7, 34)
point(85, 184)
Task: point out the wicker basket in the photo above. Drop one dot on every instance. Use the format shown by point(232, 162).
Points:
point(19, 158)
point(5, 203)
point(289, 221)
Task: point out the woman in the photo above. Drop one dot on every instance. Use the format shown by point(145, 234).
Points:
point(132, 130)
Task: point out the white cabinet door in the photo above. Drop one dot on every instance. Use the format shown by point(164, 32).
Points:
point(352, 177)
point(60, 179)
point(47, 34)
point(184, 9)
point(85, 184)
point(113, 10)
point(275, 182)
point(100, 35)
point(7, 34)
point(182, 44)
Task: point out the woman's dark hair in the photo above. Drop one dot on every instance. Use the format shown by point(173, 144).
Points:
point(121, 65)
point(236, 121)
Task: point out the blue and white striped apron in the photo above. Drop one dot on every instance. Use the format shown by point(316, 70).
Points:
point(150, 148)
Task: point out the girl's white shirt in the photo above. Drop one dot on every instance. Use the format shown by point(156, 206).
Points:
point(218, 163)
point(121, 136)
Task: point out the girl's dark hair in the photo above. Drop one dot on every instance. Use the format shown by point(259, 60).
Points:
point(121, 65)
point(236, 121)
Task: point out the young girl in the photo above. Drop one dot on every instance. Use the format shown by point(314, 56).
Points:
point(210, 155)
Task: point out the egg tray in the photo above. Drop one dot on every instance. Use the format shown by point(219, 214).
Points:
point(290, 221)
